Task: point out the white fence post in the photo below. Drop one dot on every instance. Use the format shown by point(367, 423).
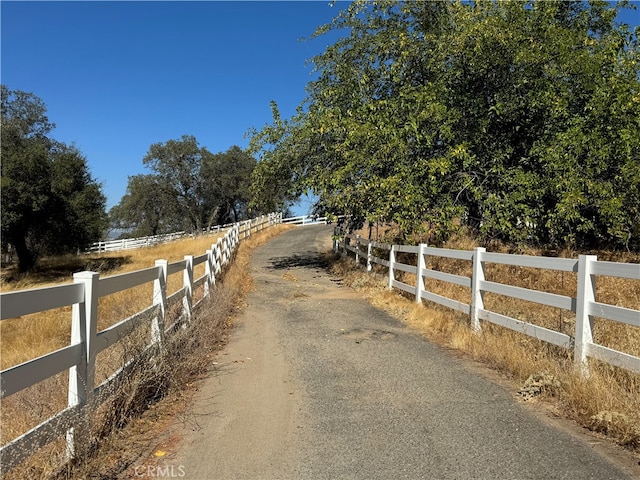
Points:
point(357, 249)
point(209, 272)
point(369, 266)
point(218, 256)
point(586, 294)
point(214, 264)
point(81, 376)
point(160, 299)
point(421, 265)
point(225, 250)
point(187, 301)
point(477, 297)
point(392, 261)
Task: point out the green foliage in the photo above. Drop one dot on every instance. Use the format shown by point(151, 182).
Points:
point(146, 209)
point(178, 165)
point(191, 189)
point(228, 176)
point(50, 202)
point(519, 118)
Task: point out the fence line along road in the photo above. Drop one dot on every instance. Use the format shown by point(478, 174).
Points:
point(584, 304)
point(245, 229)
point(79, 358)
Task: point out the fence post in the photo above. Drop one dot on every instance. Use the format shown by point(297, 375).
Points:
point(208, 270)
point(477, 297)
point(369, 266)
point(225, 249)
point(335, 239)
point(81, 376)
point(357, 249)
point(160, 299)
point(214, 264)
point(586, 294)
point(421, 265)
point(219, 256)
point(392, 261)
point(187, 301)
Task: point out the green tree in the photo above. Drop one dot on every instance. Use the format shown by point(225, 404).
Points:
point(50, 203)
point(275, 182)
point(227, 176)
point(146, 208)
point(518, 117)
point(178, 166)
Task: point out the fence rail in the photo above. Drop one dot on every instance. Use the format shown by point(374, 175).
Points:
point(79, 358)
point(584, 304)
point(245, 228)
point(305, 220)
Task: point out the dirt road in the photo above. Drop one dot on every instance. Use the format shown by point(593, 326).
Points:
point(317, 384)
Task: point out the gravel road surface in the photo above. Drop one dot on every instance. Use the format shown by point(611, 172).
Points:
point(315, 383)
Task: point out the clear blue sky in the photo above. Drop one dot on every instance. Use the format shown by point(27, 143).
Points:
point(119, 76)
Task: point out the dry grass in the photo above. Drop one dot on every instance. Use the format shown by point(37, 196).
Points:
point(607, 402)
point(187, 356)
point(30, 336)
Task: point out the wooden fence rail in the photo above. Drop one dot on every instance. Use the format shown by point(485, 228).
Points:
point(584, 304)
point(245, 228)
point(79, 358)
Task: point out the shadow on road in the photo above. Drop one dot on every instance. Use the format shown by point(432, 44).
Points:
point(308, 259)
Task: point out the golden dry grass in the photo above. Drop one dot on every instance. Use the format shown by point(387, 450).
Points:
point(28, 337)
point(608, 401)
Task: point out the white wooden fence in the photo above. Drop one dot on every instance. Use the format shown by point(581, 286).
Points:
point(584, 304)
point(245, 228)
point(79, 358)
point(305, 220)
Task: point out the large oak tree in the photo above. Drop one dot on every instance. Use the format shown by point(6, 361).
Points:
point(50, 202)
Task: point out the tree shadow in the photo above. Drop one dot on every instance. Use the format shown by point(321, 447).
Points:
point(306, 260)
point(61, 268)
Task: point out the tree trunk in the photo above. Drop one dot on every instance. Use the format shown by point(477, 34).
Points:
point(26, 258)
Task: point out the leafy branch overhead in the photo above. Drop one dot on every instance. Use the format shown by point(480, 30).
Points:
point(518, 119)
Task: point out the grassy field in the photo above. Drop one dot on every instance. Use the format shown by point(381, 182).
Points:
point(186, 356)
point(30, 336)
point(607, 402)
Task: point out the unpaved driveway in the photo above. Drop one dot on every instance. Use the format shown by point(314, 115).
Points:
point(317, 384)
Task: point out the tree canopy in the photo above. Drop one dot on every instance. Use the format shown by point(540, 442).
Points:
point(191, 189)
point(519, 119)
point(50, 202)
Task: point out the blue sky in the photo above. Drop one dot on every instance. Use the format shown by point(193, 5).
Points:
point(119, 76)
